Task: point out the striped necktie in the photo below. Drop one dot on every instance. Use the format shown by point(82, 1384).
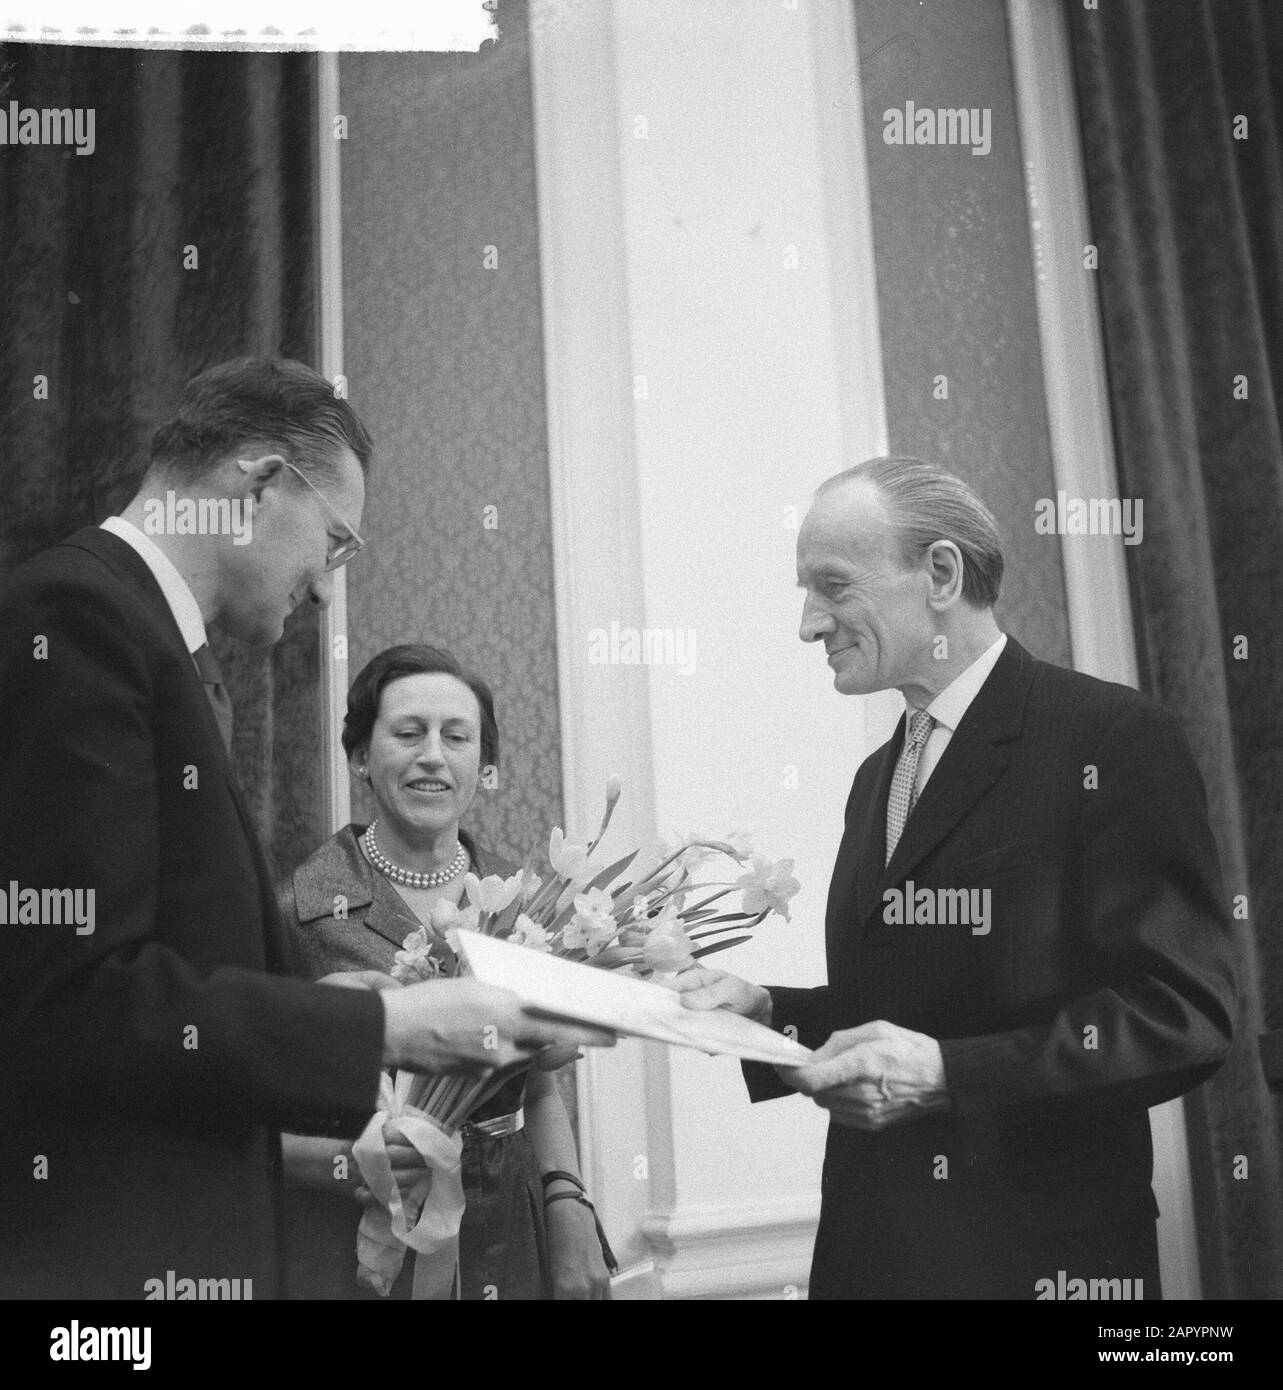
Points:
point(904, 792)
point(220, 701)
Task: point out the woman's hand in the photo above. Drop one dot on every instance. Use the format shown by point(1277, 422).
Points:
point(578, 1270)
point(407, 1163)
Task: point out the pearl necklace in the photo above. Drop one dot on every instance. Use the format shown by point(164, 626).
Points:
point(407, 878)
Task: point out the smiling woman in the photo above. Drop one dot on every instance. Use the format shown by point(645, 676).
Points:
point(419, 730)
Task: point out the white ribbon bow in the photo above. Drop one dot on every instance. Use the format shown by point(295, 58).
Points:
point(388, 1230)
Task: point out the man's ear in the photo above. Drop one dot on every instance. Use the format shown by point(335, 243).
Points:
point(260, 472)
point(946, 574)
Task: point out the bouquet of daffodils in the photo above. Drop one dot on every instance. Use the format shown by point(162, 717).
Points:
point(644, 914)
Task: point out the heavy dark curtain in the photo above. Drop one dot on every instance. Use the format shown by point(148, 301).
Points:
point(1181, 129)
point(211, 151)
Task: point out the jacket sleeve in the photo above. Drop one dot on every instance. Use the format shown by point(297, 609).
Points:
point(804, 1015)
point(1160, 1018)
point(807, 1012)
point(115, 1022)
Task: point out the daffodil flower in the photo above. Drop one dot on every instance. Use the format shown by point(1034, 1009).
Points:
point(668, 948)
point(531, 883)
point(416, 941)
point(529, 933)
point(415, 961)
point(593, 925)
point(614, 787)
point(740, 845)
point(569, 858)
point(768, 886)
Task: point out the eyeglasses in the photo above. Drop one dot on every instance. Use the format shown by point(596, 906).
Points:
point(345, 549)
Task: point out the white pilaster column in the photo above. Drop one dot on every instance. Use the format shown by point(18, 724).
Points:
point(712, 354)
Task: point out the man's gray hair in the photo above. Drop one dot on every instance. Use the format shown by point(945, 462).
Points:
point(926, 504)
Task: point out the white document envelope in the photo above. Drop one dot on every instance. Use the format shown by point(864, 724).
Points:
point(546, 984)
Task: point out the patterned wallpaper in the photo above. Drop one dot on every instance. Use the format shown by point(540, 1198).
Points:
point(214, 150)
point(956, 287)
point(444, 352)
point(444, 356)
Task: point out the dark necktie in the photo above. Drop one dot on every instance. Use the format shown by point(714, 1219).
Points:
point(219, 700)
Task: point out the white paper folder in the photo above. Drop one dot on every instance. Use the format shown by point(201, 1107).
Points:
point(564, 989)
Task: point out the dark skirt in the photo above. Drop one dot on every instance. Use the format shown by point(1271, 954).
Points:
point(503, 1252)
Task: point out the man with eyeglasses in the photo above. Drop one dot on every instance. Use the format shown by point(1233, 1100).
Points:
point(153, 1043)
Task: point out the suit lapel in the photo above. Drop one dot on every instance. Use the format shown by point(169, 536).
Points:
point(389, 915)
point(339, 870)
point(969, 767)
point(975, 759)
point(130, 566)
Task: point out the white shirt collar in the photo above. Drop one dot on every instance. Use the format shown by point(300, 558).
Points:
point(951, 704)
point(181, 600)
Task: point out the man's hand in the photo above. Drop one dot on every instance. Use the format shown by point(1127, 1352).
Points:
point(701, 988)
point(874, 1076)
point(554, 1058)
point(465, 1027)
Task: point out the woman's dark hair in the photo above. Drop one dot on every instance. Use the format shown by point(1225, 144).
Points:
point(413, 659)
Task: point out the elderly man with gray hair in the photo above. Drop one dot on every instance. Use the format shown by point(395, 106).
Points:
point(1028, 942)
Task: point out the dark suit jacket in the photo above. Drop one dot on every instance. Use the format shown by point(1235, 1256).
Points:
point(152, 1062)
point(1105, 985)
